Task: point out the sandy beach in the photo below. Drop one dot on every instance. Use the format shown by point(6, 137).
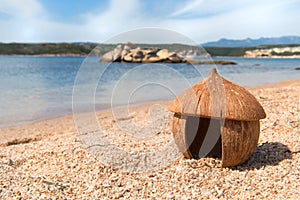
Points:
point(47, 160)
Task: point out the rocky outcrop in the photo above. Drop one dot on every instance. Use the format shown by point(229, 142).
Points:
point(137, 55)
point(130, 53)
point(283, 52)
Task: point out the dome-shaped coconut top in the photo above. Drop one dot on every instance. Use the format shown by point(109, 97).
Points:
point(216, 97)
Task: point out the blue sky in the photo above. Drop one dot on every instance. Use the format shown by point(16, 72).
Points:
point(99, 20)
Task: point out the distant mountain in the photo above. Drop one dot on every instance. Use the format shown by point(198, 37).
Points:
point(254, 42)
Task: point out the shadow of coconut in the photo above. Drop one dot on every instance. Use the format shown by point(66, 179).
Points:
point(266, 154)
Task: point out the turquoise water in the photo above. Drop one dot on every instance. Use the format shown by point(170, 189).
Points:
point(35, 88)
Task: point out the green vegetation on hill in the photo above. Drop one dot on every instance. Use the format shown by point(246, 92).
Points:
point(86, 48)
point(77, 48)
point(226, 51)
point(44, 48)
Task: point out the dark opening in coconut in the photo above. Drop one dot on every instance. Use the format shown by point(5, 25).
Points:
point(197, 129)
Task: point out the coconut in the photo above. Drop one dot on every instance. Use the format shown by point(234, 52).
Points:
point(218, 118)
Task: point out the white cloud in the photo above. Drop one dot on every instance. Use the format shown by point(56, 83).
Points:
point(190, 6)
point(119, 16)
point(260, 19)
point(230, 19)
point(207, 8)
point(21, 8)
point(20, 23)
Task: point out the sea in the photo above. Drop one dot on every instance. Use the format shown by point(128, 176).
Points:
point(38, 88)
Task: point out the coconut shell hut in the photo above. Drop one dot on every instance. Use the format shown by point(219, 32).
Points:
point(218, 118)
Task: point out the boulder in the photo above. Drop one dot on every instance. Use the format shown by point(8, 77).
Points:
point(174, 58)
point(137, 60)
point(107, 57)
point(117, 53)
point(113, 56)
point(124, 53)
point(163, 54)
point(128, 58)
point(138, 54)
point(151, 59)
point(151, 52)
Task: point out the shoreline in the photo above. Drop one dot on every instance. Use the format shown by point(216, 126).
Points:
point(107, 108)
